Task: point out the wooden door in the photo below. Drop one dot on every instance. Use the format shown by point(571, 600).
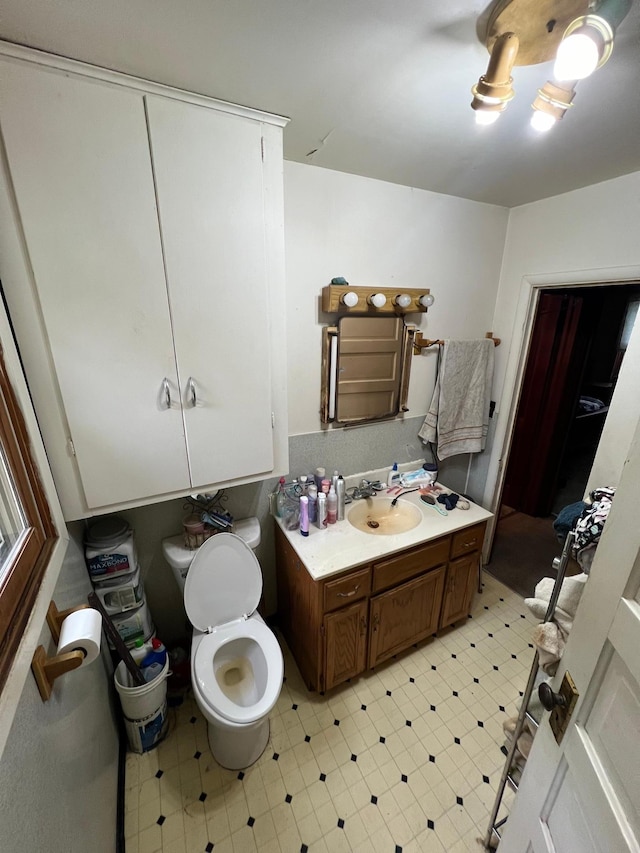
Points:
point(345, 643)
point(549, 392)
point(78, 153)
point(209, 177)
point(583, 794)
point(460, 584)
point(404, 615)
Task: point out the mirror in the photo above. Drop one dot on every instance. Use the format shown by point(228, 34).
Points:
point(365, 369)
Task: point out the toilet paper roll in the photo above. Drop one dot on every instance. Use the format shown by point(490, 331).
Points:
point(81, 631)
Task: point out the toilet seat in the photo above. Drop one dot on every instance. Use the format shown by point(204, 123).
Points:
point(207, 684)
point(224, 582)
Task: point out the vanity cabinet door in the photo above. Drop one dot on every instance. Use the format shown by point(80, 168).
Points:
point(461, 581)
point(345, 633)
point(404, 615)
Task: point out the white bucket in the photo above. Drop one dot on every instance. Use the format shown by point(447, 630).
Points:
point(144, 708)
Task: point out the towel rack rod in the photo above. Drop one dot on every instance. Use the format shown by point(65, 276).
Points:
point(421, 343)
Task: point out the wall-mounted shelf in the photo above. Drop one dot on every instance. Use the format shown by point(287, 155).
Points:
point(332, 300)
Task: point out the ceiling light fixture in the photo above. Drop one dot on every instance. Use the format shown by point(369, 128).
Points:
point(578, 33)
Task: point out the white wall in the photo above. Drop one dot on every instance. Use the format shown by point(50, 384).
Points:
point(58, 771)
point(580, 237)
point(379, 234)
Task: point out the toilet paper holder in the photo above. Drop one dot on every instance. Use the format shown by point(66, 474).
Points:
point(46, 669)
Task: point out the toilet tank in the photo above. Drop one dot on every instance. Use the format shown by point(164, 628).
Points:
point(179, 556)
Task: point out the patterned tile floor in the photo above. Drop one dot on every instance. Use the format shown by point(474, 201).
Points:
point(405, 758)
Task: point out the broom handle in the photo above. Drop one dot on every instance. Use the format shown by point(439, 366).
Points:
point(112, 633)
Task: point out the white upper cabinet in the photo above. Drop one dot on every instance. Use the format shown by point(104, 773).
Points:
point(208, 172)
point(150, 230)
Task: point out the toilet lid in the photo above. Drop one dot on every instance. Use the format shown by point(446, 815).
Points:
point(224, 582)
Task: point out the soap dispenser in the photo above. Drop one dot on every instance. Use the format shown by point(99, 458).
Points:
point(393, 475)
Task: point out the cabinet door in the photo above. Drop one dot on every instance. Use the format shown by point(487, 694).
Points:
point(209, 178)
point(405, 615)
point(345, 643)
point(78, 154)
point(461, 581)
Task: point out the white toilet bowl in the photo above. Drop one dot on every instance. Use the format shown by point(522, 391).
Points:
point(236, 662)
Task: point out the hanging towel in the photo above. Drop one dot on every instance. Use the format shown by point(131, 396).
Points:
point(458, 417)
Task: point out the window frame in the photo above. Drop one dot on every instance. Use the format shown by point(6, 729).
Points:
point(19, 587)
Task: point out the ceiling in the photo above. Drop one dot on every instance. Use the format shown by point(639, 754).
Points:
point(373, 87)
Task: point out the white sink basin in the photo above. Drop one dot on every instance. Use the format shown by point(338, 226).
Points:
point(379, 517)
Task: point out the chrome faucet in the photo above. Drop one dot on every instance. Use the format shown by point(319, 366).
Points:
point(364, 490)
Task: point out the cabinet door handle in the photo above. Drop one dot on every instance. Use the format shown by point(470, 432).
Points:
point(349, 594)
point(166, 391)
point(468, 544)
point(191, 392)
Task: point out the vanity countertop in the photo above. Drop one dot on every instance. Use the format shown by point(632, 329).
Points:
point(341, 546)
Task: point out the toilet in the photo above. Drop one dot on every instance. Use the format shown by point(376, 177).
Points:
point(236, 661)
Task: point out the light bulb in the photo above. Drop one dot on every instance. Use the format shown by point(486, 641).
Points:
point(403, 300)
point(378, 300)
point(484, 117)
point(426, 300)
point(350, 299)
point(578, 56)
point(541, 121)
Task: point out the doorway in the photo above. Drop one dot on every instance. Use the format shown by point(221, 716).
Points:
point(578, 341)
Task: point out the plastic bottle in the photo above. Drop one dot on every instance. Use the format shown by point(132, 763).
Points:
point(334, 480)
point(313, 502)
point(321, 515)
point(140, 650)
point(393, 475)
point(319, 477)
point(154, 662)
point(304, 515)
point(280, 499)
point(304, 486)
point(158, 653)
point(340, 492)
point(332, 506)
point(326, 485)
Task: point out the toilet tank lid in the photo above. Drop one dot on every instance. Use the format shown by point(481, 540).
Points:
point(180, 557)
point(248, 529)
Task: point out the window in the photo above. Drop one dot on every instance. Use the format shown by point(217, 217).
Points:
point(27, 531)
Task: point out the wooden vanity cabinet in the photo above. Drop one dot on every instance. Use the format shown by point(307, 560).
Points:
point(338, 627)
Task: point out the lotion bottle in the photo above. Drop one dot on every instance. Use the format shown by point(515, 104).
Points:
point(332, 506)
point(393, 475)
point(304, 515)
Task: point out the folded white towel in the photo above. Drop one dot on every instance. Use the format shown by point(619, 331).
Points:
point(458, 417)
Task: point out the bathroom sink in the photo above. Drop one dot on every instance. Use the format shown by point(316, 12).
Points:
point(378, 516)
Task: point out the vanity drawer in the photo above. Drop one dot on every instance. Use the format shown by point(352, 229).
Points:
point(346, 590)
point(465, 541)
point(406, 566)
